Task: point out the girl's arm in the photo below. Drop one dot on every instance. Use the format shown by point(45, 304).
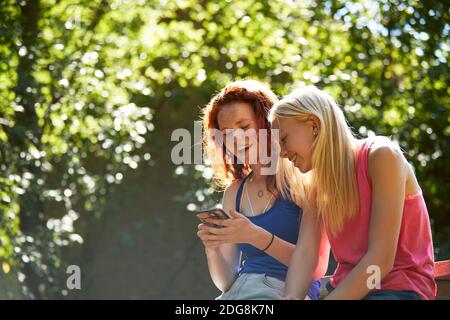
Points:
point(223, 258)
point(223, 265)
point(240, 229)
point(310, 259)
point(280, 249)
point(388, 172)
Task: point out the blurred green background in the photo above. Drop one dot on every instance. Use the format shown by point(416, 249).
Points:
point(90, 92)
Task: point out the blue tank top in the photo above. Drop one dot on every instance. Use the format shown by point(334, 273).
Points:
point(283, 220)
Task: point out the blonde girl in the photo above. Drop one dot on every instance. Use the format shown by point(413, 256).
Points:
point(366, 197)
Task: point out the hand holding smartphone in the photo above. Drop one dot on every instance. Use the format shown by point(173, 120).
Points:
point(215, 213)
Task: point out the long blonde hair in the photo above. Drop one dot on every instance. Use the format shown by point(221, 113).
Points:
point(330, 189)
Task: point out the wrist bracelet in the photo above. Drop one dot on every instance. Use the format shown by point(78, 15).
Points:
point(270, 243)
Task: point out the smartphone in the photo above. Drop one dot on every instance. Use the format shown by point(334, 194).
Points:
point(215, 213)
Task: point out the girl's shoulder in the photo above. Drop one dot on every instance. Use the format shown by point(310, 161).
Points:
point(230, 192)
point(372, 146)
point(383, 153)
point(380, 146)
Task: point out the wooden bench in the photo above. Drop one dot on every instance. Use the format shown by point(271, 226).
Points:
point(441, 275)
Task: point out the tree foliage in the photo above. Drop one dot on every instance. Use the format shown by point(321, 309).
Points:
point(81, 82)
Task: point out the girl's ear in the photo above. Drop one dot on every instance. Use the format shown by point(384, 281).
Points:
point(315, 121)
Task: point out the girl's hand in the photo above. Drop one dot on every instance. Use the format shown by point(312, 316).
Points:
point(291, 297)
point(203, 234)
point(238, 229)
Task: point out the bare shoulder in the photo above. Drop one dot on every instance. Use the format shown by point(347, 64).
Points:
point(383, 147)
point(232, 189)
point(230, 192)
point(385, 154)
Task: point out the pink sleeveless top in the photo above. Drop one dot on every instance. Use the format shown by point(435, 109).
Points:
point(414, 259)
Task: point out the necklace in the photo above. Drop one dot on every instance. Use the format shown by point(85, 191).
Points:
point(251, 206)
point(260, 192)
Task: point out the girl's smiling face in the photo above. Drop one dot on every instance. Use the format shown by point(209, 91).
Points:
point(237, 122)
point(297, 140)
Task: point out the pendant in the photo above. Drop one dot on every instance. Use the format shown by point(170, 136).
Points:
point(260, 193)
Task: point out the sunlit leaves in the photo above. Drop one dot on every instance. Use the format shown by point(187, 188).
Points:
point(100, 69)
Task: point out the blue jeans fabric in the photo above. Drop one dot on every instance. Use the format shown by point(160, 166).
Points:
point(386, 294)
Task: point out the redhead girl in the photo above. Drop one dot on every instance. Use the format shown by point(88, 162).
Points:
point(366, 197)
point(248, 256)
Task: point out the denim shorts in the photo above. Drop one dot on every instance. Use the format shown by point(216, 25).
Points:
point(254, 286)
point(386, 294)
